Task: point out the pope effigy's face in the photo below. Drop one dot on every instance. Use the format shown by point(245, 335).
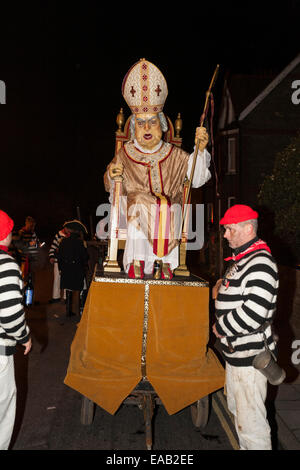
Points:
point(148, 131)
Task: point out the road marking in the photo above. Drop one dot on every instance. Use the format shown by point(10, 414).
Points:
point(223, 420)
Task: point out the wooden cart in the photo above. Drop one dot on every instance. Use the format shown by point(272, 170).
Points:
point(144, 342)
point(145, 397)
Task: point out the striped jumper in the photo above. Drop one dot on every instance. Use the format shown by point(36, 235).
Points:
point(245, 301)
point(55, 245)
point(13, 328)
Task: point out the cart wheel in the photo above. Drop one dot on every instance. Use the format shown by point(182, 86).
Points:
point(199, 412)
point(87, 411)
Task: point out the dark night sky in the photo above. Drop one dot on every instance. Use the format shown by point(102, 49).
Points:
point(63, 70)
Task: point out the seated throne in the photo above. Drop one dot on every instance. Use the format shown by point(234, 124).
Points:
point(118, 229)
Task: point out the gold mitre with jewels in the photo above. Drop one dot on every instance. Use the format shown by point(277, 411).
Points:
point(144, 88)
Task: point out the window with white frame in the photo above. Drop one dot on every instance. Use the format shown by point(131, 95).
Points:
point(231, 151)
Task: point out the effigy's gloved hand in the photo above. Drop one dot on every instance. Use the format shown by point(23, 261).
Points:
point(116, 169)
point(202, 136)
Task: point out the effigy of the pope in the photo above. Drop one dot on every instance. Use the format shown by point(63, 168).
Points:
point(147, 322)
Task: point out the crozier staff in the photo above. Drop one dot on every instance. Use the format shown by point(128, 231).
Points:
point(245, 302)
point(153, 174)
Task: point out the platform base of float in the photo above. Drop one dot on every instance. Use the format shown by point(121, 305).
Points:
point(144, 329)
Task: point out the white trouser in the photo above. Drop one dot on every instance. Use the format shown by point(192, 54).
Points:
point(56, 283)
point(246, 390)
point(7, 400)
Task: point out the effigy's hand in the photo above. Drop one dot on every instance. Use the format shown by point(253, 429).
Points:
point(202, 136)
point(116, 169)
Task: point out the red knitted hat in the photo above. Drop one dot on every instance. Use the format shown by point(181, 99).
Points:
point(6, 225)
point(238, 213)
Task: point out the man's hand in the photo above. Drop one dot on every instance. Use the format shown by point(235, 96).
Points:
point(116, 169)
point(216, 288)
point(215, 331)
point(27, 346)
point(202, 136)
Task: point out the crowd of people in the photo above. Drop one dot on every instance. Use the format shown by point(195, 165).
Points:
point(25, 249)
point(19, 253)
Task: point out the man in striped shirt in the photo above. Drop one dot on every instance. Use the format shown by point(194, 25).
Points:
point(56, 290)
point(245, 303)
point(13, 330)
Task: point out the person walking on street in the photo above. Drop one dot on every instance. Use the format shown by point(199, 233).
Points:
point(59, 236)
point(72, 260)
point(245, 303)
point(13, 329)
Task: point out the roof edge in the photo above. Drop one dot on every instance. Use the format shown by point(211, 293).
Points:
point(269, 88)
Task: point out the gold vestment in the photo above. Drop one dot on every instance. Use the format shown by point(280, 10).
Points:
point(153, 184)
